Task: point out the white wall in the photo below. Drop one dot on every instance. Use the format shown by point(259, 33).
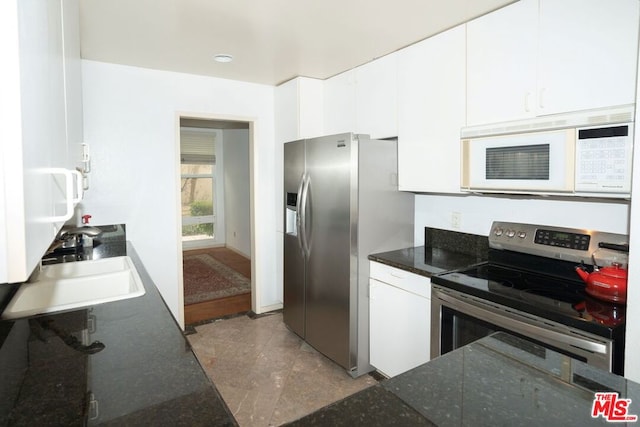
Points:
point(236, 190)
point(478, 212)
point(130, 118)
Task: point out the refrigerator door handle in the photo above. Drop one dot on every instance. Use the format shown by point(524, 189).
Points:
point(303, 214)
point(299, 214)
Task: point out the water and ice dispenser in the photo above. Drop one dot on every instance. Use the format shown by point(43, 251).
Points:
point(291, 214)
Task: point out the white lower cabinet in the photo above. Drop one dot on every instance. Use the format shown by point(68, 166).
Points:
point(399, 319)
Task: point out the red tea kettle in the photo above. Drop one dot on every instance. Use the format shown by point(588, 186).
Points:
point(606, 283)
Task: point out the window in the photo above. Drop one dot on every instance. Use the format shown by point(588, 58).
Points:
point(198, 179)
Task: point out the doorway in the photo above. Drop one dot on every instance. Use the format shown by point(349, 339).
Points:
point(215, 214)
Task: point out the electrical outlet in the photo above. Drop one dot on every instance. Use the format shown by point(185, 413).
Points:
point(456, 220)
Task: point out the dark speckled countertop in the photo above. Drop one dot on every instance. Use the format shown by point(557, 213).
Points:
point(425, 261)
point(145, 375)
point(499, 380)
point(443, 250)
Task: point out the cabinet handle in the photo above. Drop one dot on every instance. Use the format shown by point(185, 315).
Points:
point(94, 412)
point(398, 276)
point(541, 98)
point(79, 187)
point(527, 99)
point(372, 291)
point(71, 200)
point(91, 324)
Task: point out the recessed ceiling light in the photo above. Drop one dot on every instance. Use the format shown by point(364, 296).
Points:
point(223, 57)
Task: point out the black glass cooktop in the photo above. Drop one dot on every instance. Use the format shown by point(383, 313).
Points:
point(520, 284)
point(560, 299)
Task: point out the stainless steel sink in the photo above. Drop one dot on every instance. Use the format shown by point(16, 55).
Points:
point(75, 285)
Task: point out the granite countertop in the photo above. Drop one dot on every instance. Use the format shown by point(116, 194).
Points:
point(499, 380)
point(443, 250)
point(54, 371)
point(425, 261)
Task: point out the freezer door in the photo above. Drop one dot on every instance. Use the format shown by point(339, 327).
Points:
point(293, 308)
point(331, 268)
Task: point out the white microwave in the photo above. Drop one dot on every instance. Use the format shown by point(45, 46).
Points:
point(579, 154)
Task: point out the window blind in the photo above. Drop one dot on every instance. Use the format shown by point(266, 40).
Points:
point(197, 146)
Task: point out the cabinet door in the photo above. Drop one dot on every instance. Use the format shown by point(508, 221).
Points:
point(588, 54)
point(431, 111)
point(376, 98)
point(399, 328)
point(72, 81)
point(34, 139)
point(298, 109)
point(286, 112)
point(340, 103)
point(502, 64)
point(43, 103)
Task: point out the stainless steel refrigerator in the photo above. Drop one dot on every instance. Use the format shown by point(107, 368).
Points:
point(341, 203)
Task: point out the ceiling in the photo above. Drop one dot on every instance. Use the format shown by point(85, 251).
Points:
point(271, 41)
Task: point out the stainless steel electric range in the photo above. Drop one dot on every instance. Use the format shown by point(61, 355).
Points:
point(529, 288)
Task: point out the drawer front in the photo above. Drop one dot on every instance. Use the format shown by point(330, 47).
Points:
point(411, 282)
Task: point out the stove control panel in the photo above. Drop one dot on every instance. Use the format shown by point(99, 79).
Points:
point(562, 239)
point(509, 233)
point(568, 244)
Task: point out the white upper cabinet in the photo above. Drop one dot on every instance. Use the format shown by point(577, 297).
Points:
point(38, 191)
point(298, 109)
point(539, 57)
point(588, 54)
point(376, 97)
point(72, 80)
point(501, 64)
point(363, 100)
point(340, 103)
point(431, 111)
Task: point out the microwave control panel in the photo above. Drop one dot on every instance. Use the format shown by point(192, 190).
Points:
point(603, 159)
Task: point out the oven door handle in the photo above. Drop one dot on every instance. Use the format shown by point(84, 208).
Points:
point(521, 324)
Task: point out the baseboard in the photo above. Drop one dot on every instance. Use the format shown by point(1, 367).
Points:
point(238, 251)
point(268, 308)
point(201, 245)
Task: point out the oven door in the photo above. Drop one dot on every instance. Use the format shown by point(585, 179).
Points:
point(458, 319)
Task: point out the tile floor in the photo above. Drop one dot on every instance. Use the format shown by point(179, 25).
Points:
point(265, 373)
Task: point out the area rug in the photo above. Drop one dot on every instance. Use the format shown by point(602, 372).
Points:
point(206, 279)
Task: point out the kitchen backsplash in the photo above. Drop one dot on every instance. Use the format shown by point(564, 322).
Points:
point(464, 243)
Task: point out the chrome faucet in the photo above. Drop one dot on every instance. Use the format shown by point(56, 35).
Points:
point(71, 237)
point(86, 230)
